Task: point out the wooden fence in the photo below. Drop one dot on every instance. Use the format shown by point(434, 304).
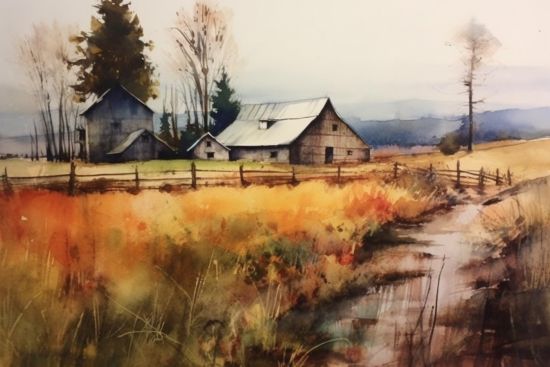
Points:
point(460, 177)
point(194, 178)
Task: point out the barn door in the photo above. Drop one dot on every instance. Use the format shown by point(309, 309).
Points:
point(329, 155)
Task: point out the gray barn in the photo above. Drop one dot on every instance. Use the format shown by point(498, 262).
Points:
point(301, 132)
point(119, 127)
point(208, 147)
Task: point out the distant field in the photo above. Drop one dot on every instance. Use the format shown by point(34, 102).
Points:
point(25, 167)
point(526, 159)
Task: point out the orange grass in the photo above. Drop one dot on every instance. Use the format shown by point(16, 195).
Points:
point(117, 231)
point(128, 247)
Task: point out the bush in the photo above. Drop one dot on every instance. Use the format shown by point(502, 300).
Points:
point(449, 144)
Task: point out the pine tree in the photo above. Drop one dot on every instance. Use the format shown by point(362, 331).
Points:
point(192, 132)
point(225, 107)
point(113, 53)
point(165, 129)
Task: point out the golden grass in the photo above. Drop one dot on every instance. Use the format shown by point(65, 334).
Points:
point(522, 221)
point(525, 159)
point(155, 267)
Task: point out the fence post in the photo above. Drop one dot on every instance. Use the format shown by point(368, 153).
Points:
point(509, 177)
point(193, 175)
point(339, 174)
point(137, 178)
point(241, 175)
point(481, 178)
point(497, 180)
point(395, 167)
point(458, 173)
point(294, 181)
point(72, 179)
point(7, 185)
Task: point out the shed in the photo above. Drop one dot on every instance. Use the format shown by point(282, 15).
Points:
point(140, 145)
point(208, 147)
point(299, 132)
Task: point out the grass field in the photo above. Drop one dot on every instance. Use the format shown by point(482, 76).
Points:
point(525, 159)
point(24, 167)
point(138, 278)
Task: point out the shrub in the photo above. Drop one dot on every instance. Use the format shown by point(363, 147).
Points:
point(449, 143)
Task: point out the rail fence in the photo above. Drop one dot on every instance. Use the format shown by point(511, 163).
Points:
point(461, 178)
point(194, 178)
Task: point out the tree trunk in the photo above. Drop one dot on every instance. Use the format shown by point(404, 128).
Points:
point(470, 117)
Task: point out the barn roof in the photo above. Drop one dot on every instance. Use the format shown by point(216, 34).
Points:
point(201, 138)
point(288, 119)
point(102, 97)
point(130, 139)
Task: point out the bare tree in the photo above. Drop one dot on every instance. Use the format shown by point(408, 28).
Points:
point(478, 45)
point(206, 46)
point(43, 56)
point(174, 108)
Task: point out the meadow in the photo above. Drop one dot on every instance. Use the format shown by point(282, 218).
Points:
point(189, 278)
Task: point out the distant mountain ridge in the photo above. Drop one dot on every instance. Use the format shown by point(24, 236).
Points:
point(489, 126)
point(424, 131)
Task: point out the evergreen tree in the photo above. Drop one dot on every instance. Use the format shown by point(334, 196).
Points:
point(113, 53)
point(225, 107)
point(165, 129)
point(190, 135)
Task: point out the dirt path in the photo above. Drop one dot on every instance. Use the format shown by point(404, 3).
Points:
point(392, 324)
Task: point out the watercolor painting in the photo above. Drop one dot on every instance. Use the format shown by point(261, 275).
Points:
point(284, 183)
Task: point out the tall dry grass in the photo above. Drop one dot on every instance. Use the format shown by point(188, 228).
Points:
point(524, 224)
point(189, 278)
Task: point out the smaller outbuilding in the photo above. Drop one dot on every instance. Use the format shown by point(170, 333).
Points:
point(208, 147)
point(141, 145)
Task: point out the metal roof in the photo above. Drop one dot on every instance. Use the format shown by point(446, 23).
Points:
point(288, 119)
point(204, 136)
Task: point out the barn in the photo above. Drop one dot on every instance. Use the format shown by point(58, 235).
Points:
point(300, 132)
point(208, 147)
point(118, 128)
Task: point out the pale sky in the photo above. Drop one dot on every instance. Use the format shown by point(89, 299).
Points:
point(360, 53)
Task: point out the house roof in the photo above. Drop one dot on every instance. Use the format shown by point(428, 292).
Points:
point(201, 138)
point(130, 139)
point(102, 97)
point(289, 120)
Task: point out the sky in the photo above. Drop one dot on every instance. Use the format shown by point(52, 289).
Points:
point(373, 59)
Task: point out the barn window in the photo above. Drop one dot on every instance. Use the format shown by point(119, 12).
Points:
point(273, 154)
point(210, 155)
point(334, 127)
point(209, 144)
point(350, 152)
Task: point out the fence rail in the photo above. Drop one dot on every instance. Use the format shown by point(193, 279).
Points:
point(193, 178)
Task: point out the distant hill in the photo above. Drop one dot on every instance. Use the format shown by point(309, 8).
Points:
point(511, 124)
point(407, 133)
point(489, 126)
